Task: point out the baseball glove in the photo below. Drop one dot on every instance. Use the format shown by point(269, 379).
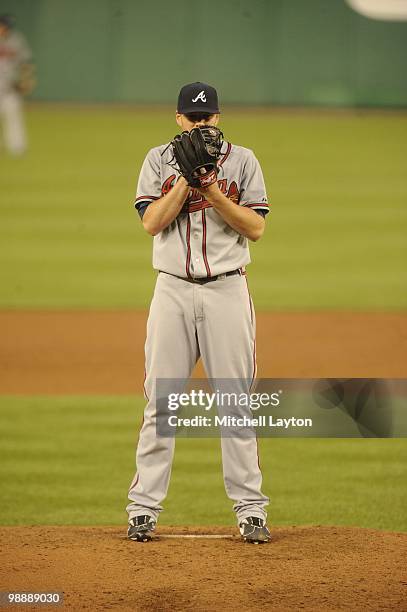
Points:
point(196, 154)
point(26, 81)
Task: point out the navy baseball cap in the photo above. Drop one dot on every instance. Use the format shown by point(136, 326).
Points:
point(8, 21)
point(198, 98)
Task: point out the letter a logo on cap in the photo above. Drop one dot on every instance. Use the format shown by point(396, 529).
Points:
point(200, 96)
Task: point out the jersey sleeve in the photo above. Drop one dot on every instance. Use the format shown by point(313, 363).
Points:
point(253, 190)
point(149, 182)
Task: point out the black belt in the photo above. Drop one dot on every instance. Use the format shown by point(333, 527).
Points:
point(203, 281)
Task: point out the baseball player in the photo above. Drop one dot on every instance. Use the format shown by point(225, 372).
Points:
point(201, 220)
point(16, 79)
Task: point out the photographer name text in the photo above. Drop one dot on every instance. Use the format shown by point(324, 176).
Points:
point(234, 421)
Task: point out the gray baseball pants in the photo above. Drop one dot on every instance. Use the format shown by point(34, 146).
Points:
point(215, 321)
point(11, 114)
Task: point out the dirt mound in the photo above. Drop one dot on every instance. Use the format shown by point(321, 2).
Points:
point(98, 352)
point(309, 568)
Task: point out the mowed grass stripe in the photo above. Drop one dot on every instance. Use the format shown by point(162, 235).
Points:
point(69, 460)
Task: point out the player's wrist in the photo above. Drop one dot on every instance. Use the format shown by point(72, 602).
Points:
point(214, 196)
point(211, 192)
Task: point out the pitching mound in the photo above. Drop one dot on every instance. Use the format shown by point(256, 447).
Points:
point(309, 568)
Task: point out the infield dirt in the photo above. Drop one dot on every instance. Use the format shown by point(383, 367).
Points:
point(102, 352)
point(307, 568)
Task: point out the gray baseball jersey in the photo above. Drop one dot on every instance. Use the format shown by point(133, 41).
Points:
point(14, 51)
point(198, 243)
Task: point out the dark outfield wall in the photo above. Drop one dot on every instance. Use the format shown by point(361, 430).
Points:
point(256, 51)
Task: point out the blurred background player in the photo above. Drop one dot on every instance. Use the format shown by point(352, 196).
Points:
point(16, 80)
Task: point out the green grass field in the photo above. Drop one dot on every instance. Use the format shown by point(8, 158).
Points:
point(70, 461)
point(335, 237)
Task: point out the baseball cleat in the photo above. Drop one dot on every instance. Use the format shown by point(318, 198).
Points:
point(254, 530)
point(141, 528)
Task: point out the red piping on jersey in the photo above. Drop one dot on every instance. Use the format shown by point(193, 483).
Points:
point(146, 198)
point(257, 452)
point(136, 478)
point(144, 385)
point(250, 301)
point(134, 482)
point(254, 343)
point(188, 261)
point(226, 155)
point(208, 270)
point(200, 206)
point(254, 363)
point(258, 204)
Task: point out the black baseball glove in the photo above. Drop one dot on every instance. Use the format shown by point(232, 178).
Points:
point(196, 154)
